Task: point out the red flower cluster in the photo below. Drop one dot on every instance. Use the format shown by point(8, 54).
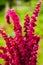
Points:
point(21, 50)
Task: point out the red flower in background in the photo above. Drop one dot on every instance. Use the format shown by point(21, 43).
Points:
point(21, 50)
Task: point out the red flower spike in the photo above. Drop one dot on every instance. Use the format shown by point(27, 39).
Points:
point(36, 11)
point(20, 50)
point(30, 39)
point(11, 14)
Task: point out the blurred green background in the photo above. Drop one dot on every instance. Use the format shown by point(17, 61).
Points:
point(22, 7)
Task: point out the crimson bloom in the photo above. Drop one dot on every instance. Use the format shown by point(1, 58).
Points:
point(21, 50)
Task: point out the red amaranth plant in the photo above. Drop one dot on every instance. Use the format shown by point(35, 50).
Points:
point(21, 50)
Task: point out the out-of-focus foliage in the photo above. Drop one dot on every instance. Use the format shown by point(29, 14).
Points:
point(27, 0)
point(2, 4)
point(11, 2)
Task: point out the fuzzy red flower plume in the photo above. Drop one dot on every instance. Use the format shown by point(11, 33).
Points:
point(21, 50)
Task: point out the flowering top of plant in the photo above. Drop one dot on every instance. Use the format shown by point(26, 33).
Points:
point(21, 50)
